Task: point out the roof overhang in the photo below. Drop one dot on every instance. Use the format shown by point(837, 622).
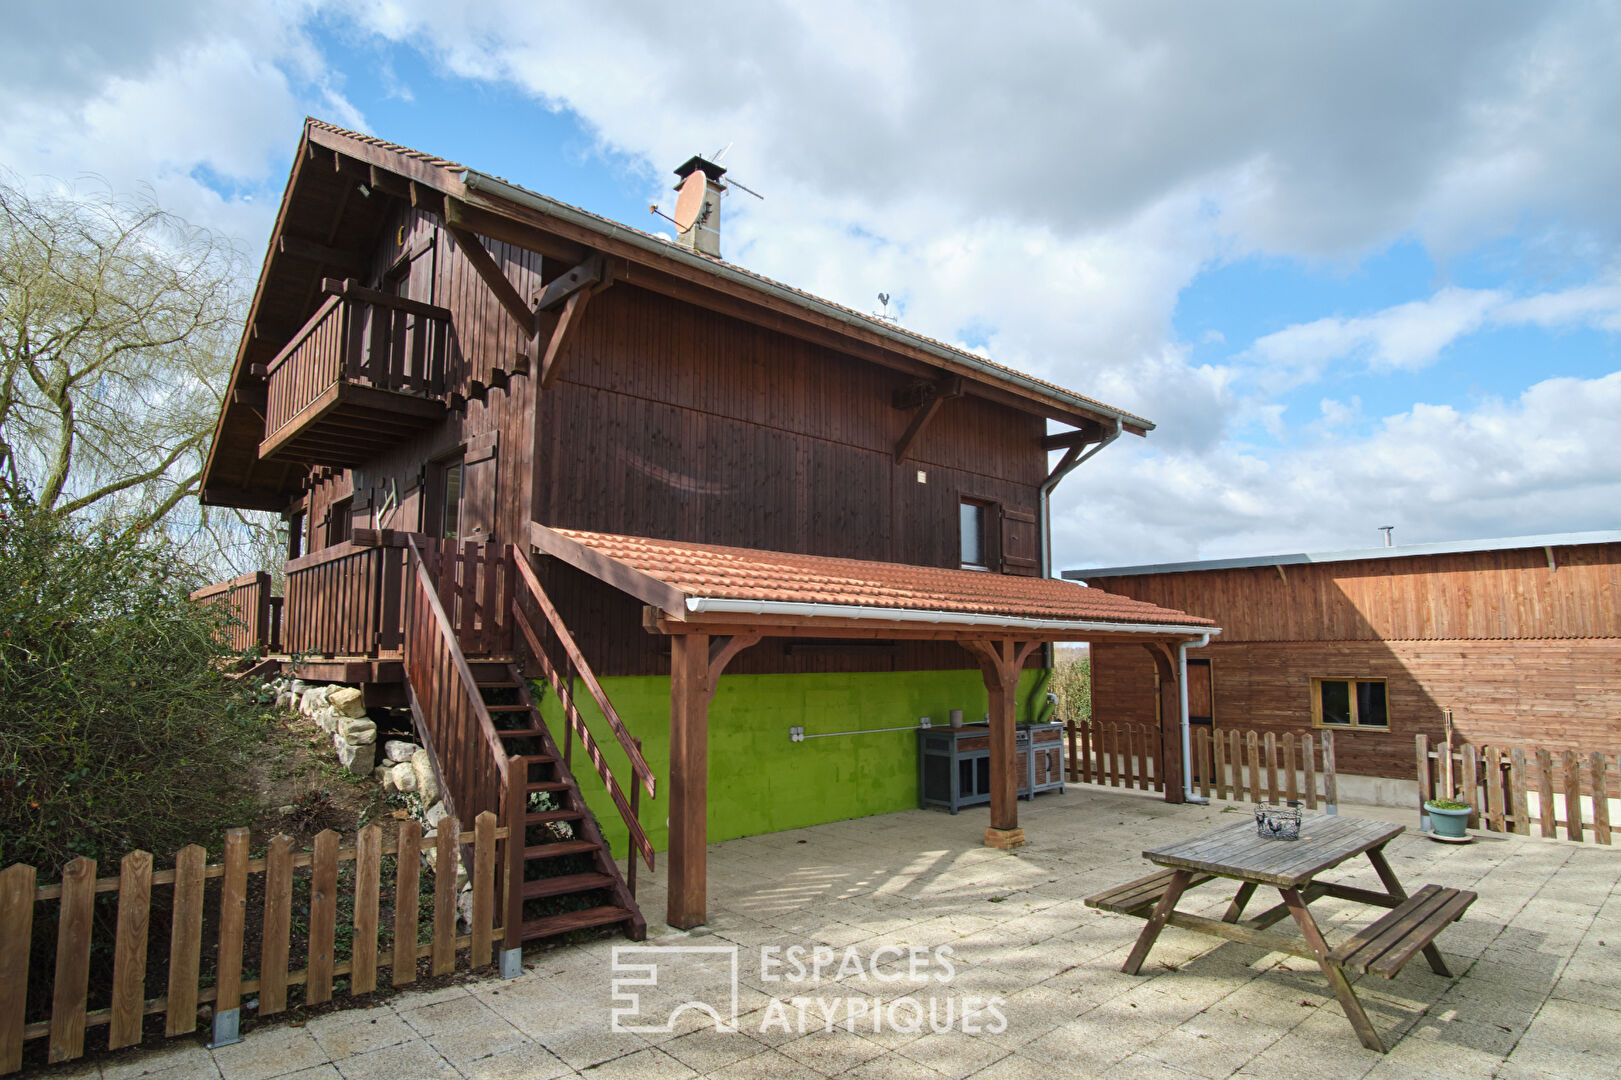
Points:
point(324, 214)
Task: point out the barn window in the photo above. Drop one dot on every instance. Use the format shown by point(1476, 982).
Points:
point(974, 555)
point(450, 499)
point(1349, 703)
point(295, 534)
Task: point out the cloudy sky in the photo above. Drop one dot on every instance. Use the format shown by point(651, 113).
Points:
point(1359, 262)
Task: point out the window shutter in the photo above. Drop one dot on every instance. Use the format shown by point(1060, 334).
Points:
point(1019, 543)
point(478, 493)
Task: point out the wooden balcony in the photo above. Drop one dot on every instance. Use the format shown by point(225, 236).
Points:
point(366, 372)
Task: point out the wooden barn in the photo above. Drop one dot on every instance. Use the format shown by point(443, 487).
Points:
point(1519, 638)
point(516, 441)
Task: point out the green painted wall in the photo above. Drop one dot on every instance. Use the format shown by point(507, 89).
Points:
point(759, 780)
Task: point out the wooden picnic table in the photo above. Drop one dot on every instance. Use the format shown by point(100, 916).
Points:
point(1292, 867)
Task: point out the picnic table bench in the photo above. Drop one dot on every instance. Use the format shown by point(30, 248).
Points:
point(1235, 852)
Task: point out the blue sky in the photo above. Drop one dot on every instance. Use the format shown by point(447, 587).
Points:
point(1359, 264)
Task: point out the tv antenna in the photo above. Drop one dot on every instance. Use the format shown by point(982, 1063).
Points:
point(690, 207)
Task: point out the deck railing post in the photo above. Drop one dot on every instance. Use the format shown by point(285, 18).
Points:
point(517, 807)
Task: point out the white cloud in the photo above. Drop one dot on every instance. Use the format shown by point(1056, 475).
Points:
point(1542, 462)
point(1412, 335)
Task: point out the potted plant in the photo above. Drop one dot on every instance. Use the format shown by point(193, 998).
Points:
point(1448, 818)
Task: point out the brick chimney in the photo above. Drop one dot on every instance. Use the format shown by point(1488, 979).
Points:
point(697, 209)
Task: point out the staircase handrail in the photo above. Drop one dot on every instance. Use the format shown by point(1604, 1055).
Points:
point(638, 763)
point(440, 623)
point(593, 750)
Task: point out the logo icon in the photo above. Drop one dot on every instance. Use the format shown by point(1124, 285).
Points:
point(702, 978)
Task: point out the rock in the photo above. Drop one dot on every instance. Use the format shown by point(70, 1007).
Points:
point(297, 687)
point(348, 700)
point(285, 810)
point(287, 702)
point(326, 718)
point(433, 815)
point(356, 730)
point(399, 749)
point(312, 699)
point(358, 760)
point(427, 783)
point(464, 908)
point(385, 776)
point(404, 777)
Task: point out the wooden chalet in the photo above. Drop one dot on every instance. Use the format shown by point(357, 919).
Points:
point(517, 441)
point(1518, 638)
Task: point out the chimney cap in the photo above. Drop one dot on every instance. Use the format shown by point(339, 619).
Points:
point(693, 164)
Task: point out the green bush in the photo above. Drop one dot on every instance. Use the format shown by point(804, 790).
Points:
point(121, 729)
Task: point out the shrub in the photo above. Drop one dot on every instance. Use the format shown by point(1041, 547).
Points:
point(1072, 682)
point(121, 729)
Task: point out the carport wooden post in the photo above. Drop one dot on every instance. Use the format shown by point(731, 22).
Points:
point(1000, 663)
point(696, 663)
point(689, 780)
point(1170, 718)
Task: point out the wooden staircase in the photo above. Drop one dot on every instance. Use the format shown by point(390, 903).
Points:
point(570, 880)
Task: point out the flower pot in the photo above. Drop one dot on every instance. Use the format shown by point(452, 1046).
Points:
point(1448, 823)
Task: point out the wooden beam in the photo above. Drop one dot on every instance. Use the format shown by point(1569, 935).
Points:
point(389, 184)
point(721, 651)
point(331, 258)
point(687, 904)
point(586, 275)
point(551, 364)
point(933, 396)
point(667, 599)
point(484, 263)
point(1081, 436)
point(1065, 462)
point(1000, 663)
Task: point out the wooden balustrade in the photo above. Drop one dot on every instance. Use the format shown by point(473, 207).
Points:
point(346, 600)
point(575, 726)
point(445, 701)
point(361, 337)
point(248, 601)
point(1280, 768)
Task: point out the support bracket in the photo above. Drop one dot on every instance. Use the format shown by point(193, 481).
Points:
point(926, 398)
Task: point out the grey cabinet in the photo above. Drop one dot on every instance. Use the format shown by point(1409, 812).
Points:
point(954, 764)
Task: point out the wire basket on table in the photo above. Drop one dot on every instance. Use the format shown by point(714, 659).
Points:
point(1278, 822)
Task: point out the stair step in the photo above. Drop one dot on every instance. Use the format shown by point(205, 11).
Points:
point(506, 708)
point(547, 785)
point(541, 817)
point(558, 848)
point(568, 883)
point(574, 920)
point(498, 685)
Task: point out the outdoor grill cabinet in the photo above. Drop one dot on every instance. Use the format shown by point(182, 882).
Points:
point(954, 764)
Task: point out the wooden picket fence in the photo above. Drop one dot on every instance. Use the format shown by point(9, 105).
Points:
point(1119, 755)
point(1279, 768)
point(65, 1017)
point(1497, 784)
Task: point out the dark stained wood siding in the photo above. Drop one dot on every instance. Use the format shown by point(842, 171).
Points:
point(678, 423)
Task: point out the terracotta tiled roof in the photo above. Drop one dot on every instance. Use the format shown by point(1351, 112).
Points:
point(730, 573)
point(608, 225)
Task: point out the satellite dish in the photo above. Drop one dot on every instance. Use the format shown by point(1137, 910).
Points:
point(689, 204)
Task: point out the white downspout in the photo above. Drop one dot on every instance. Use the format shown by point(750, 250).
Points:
point(1187, 734)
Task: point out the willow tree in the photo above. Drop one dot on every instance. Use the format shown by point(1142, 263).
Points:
point(118, 323)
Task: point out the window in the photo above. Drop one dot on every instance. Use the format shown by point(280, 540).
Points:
point(448, 506)
point(974, 555)
point(1349, 703)
point(337, 522)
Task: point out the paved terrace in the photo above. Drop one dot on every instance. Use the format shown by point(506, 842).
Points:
point(1538, 958)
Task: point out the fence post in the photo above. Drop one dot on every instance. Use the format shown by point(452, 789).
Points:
point(232, 921)
point(1331, 782)
point(1422, 743)
point(17, 916)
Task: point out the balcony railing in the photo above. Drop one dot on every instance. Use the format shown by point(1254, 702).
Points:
point(347, 600)
point(255, 623)
point(367, 369)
